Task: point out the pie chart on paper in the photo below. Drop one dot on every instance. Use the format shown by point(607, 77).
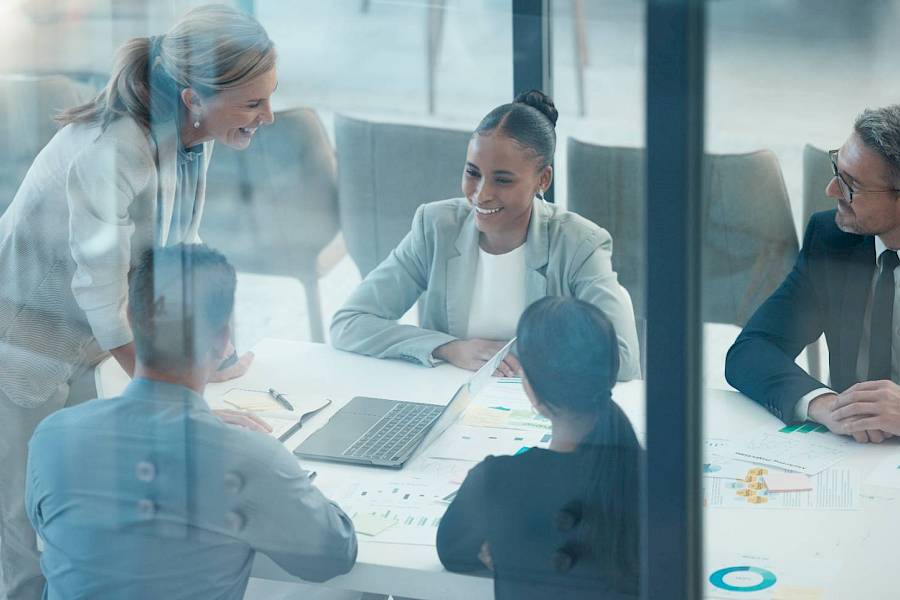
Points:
point(742, 578)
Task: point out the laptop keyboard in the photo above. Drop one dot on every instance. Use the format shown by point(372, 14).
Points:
point(401, 426)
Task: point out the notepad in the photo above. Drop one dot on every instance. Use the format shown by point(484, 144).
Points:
point(251, 400)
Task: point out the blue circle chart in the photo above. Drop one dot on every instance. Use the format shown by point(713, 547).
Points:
point(767, 580)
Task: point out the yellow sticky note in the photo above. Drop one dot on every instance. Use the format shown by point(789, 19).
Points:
point(791, 592)
point(371, 524)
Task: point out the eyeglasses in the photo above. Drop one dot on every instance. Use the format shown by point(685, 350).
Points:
point(847, 190)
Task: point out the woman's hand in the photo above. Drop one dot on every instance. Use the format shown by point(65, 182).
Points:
point(233, 370)
point(242, 419)
point(473, 354)
point(484, 555)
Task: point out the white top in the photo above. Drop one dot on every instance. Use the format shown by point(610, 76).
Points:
point(801, 412)
point(498, 296)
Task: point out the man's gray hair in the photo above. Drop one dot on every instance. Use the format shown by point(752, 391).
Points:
point(879, 129)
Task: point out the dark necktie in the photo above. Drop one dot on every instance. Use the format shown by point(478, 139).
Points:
point(881, 326)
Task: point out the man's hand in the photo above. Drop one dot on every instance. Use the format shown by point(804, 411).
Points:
point(869, 406)
point(232, 371)
point(473, 354)
point(243, 419)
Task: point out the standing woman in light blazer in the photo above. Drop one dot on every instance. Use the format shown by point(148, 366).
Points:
point(126, 172)
point(477, 262)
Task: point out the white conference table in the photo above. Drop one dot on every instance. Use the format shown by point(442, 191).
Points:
point(857, 545)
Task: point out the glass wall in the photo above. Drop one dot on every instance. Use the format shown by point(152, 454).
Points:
point(785, 82)
point(283, 421)
point(383, 257)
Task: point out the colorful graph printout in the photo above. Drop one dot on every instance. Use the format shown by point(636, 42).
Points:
point(764, 577)
point(805, 448)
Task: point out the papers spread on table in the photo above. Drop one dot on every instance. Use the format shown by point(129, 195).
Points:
point(499, 421)
point(764, 577)
point(717, 464)
point(397, 509)
point(787, 482)
point(833, 489)
point(366, 524)
point(887, 473)
point(469, 443)
point(807, 448)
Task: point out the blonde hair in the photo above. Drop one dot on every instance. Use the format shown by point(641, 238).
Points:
point(211, 49)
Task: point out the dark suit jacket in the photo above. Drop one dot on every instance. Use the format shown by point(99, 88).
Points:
point(826, 292)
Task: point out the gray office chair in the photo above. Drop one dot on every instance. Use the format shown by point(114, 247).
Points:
point(749, 243)
point(817, 174)
point(28, 105)
point(385, 171)
point(272, 208)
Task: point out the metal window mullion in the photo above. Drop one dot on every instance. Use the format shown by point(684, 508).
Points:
point(531, 50)
point(673, 559)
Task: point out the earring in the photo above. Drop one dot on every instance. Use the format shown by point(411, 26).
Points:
point(197, 123)
point(540, 195)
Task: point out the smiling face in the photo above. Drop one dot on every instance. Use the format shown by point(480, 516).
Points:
point(872, 212)
point(232, 116)
point(500, 181)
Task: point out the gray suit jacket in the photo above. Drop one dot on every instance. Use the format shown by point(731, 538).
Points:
point(565, 255)
point(89, 204)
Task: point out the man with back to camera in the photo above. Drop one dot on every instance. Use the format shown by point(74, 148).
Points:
point(150, 495)
point(843, 285)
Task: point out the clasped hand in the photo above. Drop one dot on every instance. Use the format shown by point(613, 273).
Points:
point(473, 354)
point(869, 411)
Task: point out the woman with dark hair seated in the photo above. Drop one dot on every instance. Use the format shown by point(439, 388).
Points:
point(474, 263)
point(560, 523)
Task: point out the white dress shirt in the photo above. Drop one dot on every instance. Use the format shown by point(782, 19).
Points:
point(801, 412)
point(498, 297)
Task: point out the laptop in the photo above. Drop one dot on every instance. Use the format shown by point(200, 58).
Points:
point(386, 433)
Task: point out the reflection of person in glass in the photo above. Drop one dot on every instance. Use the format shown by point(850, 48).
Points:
point(843, 285)
point(562, 522)
point(149, 495)
point(478, 261)
point(126, 172)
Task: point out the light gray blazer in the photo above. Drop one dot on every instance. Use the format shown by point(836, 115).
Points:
point(88, 206)
point(565, 255)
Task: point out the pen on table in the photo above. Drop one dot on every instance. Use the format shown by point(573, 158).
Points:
point(305, 417)
point(279, 397)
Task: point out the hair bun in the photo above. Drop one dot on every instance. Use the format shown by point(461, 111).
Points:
point(541, 101)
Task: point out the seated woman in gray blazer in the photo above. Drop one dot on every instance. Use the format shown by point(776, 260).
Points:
point(477, 262)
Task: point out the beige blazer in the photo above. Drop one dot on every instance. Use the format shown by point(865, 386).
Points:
point(89, 204)
point(565, 255)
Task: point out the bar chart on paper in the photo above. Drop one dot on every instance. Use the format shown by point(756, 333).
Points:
point(406, 510)
point(832, 489)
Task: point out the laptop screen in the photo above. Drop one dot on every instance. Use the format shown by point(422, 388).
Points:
point(464, 395)
point(484, 374)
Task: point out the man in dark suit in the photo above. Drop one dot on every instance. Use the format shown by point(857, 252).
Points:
point(843, 285)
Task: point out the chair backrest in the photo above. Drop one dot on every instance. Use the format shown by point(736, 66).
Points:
point(749, 242)
point(385, 171)
point(28, 105)
point(273, 206)
point(817, 174)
